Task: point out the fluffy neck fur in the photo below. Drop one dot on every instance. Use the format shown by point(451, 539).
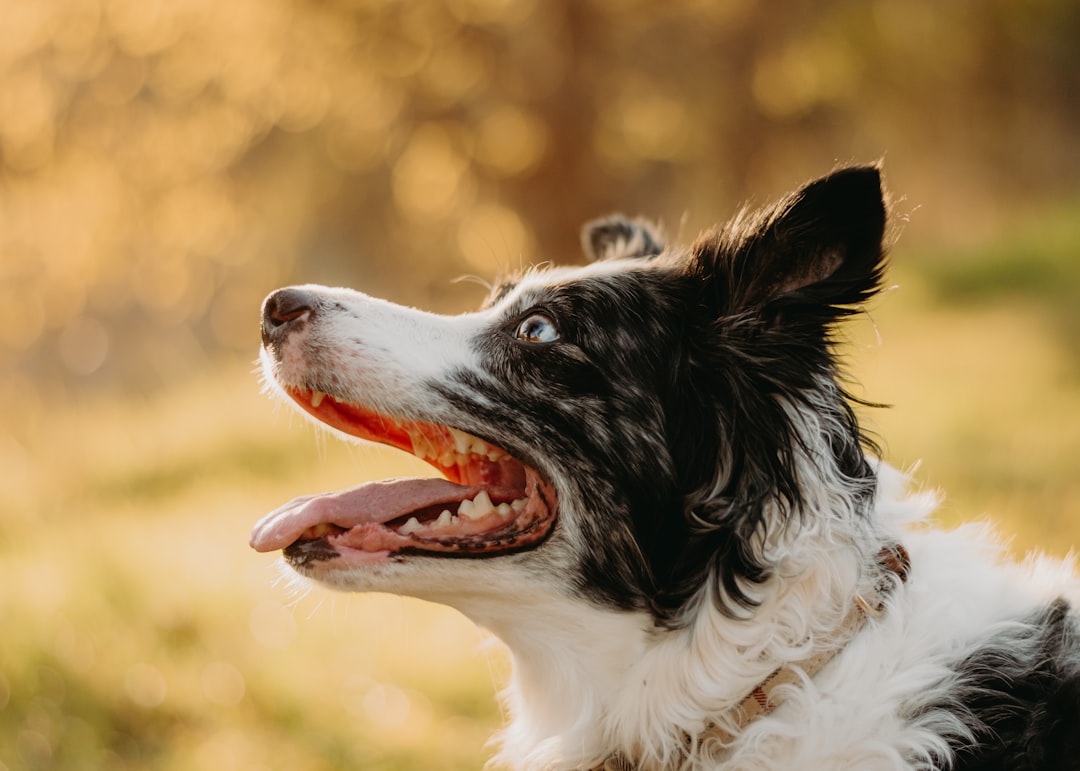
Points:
point(590, 682)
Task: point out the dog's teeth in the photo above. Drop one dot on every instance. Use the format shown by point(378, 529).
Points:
point(519, 504)
point(478, 447)
point(444, 521)
point(461, 440)
point(478, 507)
point(482, 505)
point(412, 525)
point(316, 398)
point(504, 510)
point(494, 455)
point(448, 458)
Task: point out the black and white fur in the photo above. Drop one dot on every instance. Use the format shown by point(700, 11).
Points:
point(718, 510)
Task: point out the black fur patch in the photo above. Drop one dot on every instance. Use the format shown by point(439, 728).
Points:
point(1020, 696)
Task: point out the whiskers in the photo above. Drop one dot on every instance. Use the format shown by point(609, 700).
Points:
point(295, 586)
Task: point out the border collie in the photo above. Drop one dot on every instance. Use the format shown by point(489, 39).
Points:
point(653, 488)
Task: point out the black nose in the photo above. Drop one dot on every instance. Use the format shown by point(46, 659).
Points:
point(285, 309)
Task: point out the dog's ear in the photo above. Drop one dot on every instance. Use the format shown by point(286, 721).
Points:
point(616, 236)
point(766, 289)
point(815, 253)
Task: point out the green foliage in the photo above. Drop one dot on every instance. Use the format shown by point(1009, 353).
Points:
point(1037, 264)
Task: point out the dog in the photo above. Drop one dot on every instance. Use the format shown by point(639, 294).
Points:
point(653, 488)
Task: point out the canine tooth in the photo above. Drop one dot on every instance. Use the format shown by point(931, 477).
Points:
point(444, 521)
point(482, 504)
point(412, 525)
point(461, 440)
point(316, 398)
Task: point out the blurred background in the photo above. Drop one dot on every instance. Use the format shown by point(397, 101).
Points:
point(166, 163)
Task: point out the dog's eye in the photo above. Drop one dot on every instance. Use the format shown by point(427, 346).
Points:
point(537, 328)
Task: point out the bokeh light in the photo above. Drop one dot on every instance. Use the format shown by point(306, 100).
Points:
point(166, 163)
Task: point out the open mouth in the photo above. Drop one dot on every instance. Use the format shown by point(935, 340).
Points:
point(486, 503)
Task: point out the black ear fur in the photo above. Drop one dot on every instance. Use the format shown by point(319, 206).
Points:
point(616, 236)
point(766, 289)
point(815, 251)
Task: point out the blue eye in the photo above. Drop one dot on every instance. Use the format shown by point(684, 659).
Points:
point(537, 328)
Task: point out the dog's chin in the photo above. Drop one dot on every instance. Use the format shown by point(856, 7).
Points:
point(472, 586)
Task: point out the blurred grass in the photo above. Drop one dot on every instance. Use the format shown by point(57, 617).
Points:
point(978, 350)
point(1037, 262)
point(141, 632)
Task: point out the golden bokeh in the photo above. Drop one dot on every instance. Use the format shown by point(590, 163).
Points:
point(166, 163)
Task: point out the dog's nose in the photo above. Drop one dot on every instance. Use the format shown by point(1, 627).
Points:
point(285, 308)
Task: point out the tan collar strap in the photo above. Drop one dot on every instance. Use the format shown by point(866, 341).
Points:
point(896, 564)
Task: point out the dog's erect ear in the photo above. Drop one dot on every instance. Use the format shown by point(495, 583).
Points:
point(817, 250)
point(616, 236)
point(766, 288)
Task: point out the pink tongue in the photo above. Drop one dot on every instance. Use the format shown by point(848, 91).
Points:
point(373, 502)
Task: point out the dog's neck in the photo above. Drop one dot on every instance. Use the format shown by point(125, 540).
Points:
point(570, 663)
point(588, 682)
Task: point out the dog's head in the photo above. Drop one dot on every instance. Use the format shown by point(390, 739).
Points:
point(629, 431)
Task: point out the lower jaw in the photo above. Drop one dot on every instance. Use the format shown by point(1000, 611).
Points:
point(319, 557)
